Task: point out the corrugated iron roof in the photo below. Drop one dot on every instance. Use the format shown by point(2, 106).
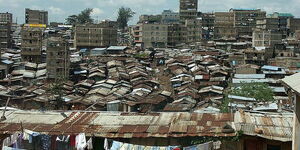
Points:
point(293, 82)
point(273, 126)
point(118, 125)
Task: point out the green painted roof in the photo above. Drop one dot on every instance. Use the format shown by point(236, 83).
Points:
point(285, 15)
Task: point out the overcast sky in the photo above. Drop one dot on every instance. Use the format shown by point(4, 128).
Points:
point(107, 9)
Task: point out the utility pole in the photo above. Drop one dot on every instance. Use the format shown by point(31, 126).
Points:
point(3, 114)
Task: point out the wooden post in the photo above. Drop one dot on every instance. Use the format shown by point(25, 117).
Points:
point(296, 129)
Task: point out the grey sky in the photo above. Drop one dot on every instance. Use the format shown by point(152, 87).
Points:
point(107, 9)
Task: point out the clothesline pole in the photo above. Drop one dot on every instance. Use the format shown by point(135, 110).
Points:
point(3, 114)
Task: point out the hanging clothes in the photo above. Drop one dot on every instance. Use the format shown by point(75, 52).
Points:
point(106, 144)
point(45, 142)
point(6, 142)
point(62, 142)
point(90, 144)
point(72, 140)
point(36, 141)
point(205, 146)
point(10, 148)
point(81, 141)
point(18, 143)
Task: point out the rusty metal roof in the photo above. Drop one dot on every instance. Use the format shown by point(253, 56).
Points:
point(273, 126)
point(118, 125)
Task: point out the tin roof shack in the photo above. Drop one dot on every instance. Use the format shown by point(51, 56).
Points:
point(264, 131)
point(291, 63)
point(292, 83)
point(3, 71)
point(235, 59)
point(159, 129)
point(6, 67)
point(34, 72)
point(97, 51)
point(247, 69)
point(116, 49)
point(274, 72)
point(240, 102)
point(211, 92)
point(256, 57)
point(249, 78)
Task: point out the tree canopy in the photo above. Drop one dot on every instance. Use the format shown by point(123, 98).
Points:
point(260, 91)
point(83, 17)
point(124, 15)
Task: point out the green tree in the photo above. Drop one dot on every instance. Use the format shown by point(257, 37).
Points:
point(260, 91)
point(82, 18)
point(124, 15)
point(56, 89)
point(73, 19)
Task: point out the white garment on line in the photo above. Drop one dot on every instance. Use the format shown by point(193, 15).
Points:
point(80, 141)
point(105, 144)
point(90, 144)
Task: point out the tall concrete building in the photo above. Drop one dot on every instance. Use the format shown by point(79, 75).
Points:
point(266, 38)
point(188, 9)
point(194, 30)
point(58, 58)
point(36, 16)
point(188, 12)
point(267, 24)
point(6, 17)
point(150, 35)
point(245, 20)
point(5, 35)
point(31, 47)
point(177, 34)
point(169, 17)
point(224, 25)
point(208, 24)
point(95, 35)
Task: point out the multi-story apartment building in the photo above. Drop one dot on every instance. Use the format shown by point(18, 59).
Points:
point(245, 20)
point(293, 25)
point(188, 12)
point(150, 35)
point(95, 35)
point(282, 22)
point(267, 24)
point(6, 17)
point(177, 34)
point(36, 16)
point(237, 22)
point(32, 38)
point(5, 35)
point(150, 19)
point(266, 38)
point(188, 9)
point(224, 25)
point(194, 30)
point(208, 24)
point(170, 17)
point(58, 58)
